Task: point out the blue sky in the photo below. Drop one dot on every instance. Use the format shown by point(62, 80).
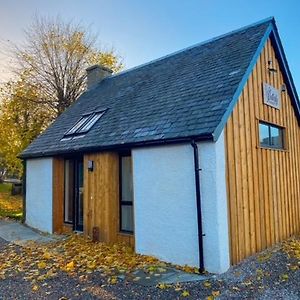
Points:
point(144, 30)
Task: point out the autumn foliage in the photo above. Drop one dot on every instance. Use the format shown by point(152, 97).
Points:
point(50, 76)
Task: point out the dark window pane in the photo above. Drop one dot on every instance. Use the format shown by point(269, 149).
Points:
point(126, 213)
point(78, 125)
point(271, 136)
point(127, 186)
point(83, 125)
point(80, 194)
point(264, 134)
point(276, 137)
point(91, 122)
point(127, 217)
point(69, 190)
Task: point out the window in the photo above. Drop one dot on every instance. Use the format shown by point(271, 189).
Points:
point(126, 194)
point(83, 125)
point(69, 191)
point(271, 136)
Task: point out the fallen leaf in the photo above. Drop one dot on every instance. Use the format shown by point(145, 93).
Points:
point(284, 277)
point(42, 265)
point(35, 288)
point(163, 286)
point(207, 284)
point(185, 293)
point(70, 266)
point(215, 293)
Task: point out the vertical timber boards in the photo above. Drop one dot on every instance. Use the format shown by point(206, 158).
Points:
point(58, 194)
point(263, 185)
point(101, 198)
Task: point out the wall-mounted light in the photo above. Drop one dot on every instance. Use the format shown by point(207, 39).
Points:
point(270, 66)
point(91, 165)
point(283, 88)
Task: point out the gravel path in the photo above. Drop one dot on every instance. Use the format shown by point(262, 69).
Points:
point(269, 275)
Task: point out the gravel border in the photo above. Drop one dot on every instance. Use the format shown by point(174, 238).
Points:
point(264, 276)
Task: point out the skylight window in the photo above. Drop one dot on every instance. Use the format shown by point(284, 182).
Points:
point(84, 124)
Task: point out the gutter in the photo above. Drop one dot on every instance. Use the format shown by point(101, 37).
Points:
point(116, 147)
point(198, 202)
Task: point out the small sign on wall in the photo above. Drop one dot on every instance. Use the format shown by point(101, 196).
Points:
point(271, 96)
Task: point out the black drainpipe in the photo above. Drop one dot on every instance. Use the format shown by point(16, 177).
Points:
point(198, 199)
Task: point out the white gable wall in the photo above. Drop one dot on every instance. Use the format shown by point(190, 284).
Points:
point(214, 205)
point(165, 204)
point(39, 194)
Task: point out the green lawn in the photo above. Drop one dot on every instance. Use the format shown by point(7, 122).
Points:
point(10, 206)
point(5, 187)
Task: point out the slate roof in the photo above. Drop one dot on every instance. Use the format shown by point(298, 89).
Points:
point(181, 96)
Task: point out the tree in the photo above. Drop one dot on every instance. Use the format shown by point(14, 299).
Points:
point(50, 76)
point(55, 55)
point(21, 120)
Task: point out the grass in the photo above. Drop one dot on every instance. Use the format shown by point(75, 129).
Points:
point(5, 187)
point(10, 206)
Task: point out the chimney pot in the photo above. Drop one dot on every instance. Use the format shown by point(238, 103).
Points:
point(95, 74)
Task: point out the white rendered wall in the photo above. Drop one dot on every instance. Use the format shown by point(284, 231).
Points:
point(165, 204)
point(39, 194)
point(214, 205)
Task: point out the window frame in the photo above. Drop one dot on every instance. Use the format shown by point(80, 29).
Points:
point(75, 158)
point(70, 133)
point(269, 146)
point(122, 202)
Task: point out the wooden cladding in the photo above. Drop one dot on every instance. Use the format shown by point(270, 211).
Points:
point(101, 198)
point(263, 184)
point(58, 194)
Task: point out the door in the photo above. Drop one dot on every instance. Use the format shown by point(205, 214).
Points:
point(73, 204)
point(78, 224)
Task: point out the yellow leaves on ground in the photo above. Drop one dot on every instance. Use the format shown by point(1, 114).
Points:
point(163, 286)
point(10, 206)
point(74, 254)
point(113, 280)
point(207, 284)
point(35, 288)
point(189, 269)
point(42, 265)
point(46, 255)
point(264, 257)
point(185, 293)
point(284, 277)
point(292, 248)
point(70, 266)
point(216, 293)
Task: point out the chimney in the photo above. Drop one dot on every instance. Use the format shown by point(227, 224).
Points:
point(95, 74)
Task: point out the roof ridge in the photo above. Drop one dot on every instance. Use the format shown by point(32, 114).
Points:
point(269, 19)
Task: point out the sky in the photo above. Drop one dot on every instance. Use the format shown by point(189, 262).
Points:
point(141, 31)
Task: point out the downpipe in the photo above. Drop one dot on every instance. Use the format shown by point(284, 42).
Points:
point(198, 202)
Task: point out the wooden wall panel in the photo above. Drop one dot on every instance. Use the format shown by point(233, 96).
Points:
point(101, 198)
point(262, 184)
point(58, 194)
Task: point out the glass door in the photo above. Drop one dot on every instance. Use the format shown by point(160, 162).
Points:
point(79, 196)
point(73, 204)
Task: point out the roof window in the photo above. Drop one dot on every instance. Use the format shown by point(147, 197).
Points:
point(83, 125)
